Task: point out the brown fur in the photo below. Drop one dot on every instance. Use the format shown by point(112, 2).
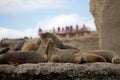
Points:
point(58, 43)
point(60, 55)
point(41, 48)
point(11, 43)
point(4, 50)
point(69, 55)
point(31, 45)
point(93, 58)
point(19, 45)
point(110, 56)
point(16, 58)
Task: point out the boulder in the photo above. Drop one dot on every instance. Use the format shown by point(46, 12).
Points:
point(107, 21)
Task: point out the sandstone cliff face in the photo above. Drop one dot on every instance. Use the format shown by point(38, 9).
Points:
point(107, 20)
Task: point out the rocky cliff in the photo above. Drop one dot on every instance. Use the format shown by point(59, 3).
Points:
point(107, 20)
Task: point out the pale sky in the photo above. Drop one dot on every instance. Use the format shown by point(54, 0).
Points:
point(19, 18)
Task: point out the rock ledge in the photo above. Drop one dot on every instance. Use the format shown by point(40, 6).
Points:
point(61, 71)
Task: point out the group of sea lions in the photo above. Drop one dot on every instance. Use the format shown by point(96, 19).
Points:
point(48, 48)
point(58, 52)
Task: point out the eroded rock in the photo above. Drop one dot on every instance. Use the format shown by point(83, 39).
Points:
point(61, 71)
point(107, 20)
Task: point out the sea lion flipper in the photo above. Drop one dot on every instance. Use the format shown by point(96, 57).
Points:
point(93, 58)
point(4, 50)
point(116, 60)
point(19, 45)
point(49, 45)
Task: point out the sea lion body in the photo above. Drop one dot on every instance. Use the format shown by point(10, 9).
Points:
point(69, 55)
point(31, 45)
point(58, 43)
point(11, 43)
point(21, 57)
point(63, 56)
point(64, 59)
point(55, 54)
point(92, 58)
point(110, 56)
point(4, 50)
point(19, 45)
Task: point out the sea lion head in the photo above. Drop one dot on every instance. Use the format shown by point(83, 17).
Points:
point(45, 36)
point(78, 59)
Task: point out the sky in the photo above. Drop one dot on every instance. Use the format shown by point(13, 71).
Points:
point(19, 18)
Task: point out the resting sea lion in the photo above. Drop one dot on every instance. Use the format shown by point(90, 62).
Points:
point(10, 43)
point(110, 56)
point(58, 43)
point(69, 55)
point(1, 42)
point(31, 45)
point(61, 55)
point(19, 45)
point(4, 50)
point(15, 58)
point(92, 58)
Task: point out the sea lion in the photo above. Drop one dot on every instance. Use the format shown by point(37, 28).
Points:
point(4, 50)
point(92, 58)
point(42, 48)
point(15, 58)
point(31, 45)
point(19, 45)
point(109, 55)
point(9, 43)
point(69, 55)
point(55, 54)
point(1, 42)
point(58, 43)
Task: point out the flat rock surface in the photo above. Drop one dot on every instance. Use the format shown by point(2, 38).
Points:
point(61, 71)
